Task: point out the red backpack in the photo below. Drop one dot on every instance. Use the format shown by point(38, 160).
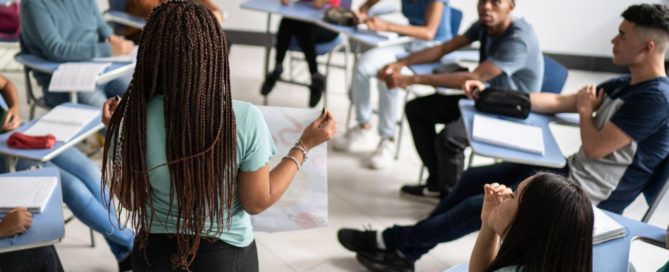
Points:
point(9, 21)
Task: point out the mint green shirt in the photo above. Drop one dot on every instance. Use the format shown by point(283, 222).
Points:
point(254, 149)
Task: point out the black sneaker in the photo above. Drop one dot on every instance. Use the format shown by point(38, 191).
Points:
point(357, 240)
point(316, 89)
point(385, 261)
point(270, 81)
point(421, 191)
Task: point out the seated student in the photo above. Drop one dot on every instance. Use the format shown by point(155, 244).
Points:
point(307, 36)
point(622, 145)
point(430, 24)
point(44, 259)
point(546, 225)
point(510, 58)
point(188, 162)
point(80, 179)
point(71, 30)
point(142, 8)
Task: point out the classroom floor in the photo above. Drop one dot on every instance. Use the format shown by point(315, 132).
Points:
point(357, 196)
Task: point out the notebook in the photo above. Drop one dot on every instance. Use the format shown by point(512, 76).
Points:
point(32, 193)
point(76, 77)
point(63, 122)
point(508, 134)
point(605, 228)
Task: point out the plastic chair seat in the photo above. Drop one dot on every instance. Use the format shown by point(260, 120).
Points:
point(321, 48)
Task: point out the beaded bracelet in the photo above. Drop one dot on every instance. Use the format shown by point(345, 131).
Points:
point(297, 163)
point(304, 152)
point(300, 144)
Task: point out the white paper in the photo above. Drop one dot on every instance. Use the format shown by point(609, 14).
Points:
point(62, 122)
point(305, 203)
point(132, 57)
point(30, 192)
point(76, 77)
point(388, 35)
point(605, 227)
point(508, 134)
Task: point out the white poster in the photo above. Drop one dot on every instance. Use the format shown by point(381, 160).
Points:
point(305, 204)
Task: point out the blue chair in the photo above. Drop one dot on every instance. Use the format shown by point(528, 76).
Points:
point(555, 75)
point(322, 49)
point(656, 188)
point(456, 20)
point(121, 19)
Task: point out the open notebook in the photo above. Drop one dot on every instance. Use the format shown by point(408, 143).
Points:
point(605, 227)
point(76, 76)
point(63, 122)
point(508, 134)
point(32, 193)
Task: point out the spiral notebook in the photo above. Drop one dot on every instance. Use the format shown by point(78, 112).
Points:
point(32, 193)
point(63, 122)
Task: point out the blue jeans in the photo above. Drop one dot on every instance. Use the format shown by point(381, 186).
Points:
point(459, 213)
point(95, 98)
point(82, 192)
point(363, 75)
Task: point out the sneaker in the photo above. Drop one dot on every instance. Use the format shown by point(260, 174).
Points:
point(358, 240)
point(316, 89)
point(420, 190)
point(383, 155)
point(385, 261)
point(270, 81)
point(354, 138)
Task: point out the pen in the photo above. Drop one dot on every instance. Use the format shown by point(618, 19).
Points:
point(325, 123)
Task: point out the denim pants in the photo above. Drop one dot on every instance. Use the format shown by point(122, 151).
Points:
point(82, 192)
point(459, 213)
point(95, 98)
point(365, 72)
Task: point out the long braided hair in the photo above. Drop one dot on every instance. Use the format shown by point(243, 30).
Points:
point(182, 56)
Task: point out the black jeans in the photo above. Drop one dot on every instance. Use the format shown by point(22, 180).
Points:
point(42, 259)
point(459, 213)
point(442, 154)
point(210, 256)
point(307, 36)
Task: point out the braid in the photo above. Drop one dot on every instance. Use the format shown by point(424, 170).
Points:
point(184, 60)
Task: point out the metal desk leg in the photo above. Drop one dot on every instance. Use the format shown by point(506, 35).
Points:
point(268, 48)
point(73, 97)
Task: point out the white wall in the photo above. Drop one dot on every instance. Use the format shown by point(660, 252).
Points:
point(576, 27)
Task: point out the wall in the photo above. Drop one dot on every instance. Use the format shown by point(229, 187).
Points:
point(571, 27)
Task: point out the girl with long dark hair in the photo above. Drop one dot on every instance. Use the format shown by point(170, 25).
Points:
point(546, 225)
point(187, 162)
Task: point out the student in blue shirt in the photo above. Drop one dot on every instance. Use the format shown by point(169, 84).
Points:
point(622, 146)
point(430, 24)
point(80, 179)
point(68, 31)
point(188, 162)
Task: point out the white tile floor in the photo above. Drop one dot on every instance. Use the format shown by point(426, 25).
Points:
point(357, 196)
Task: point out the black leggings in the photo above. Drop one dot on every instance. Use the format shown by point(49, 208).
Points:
point(307, 36)
point(211, 256)
point(42, 259)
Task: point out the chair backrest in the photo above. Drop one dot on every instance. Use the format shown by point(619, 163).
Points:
point(656, 187)
point(456, 20)
point(555, 75)
point(117, 5)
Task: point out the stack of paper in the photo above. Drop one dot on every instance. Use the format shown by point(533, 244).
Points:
point(76, 77)
point(605, 227)
point(29, 192)
point(63, 122)
point(508, 134)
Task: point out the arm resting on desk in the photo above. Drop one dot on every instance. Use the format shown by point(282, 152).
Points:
point(364, 8)
point(550, 103)
point(483, 72)
point(434, 53)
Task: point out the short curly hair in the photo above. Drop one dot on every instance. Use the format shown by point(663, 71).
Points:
point(653, 16)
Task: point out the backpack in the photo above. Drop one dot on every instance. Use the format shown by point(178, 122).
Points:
point(9, 21)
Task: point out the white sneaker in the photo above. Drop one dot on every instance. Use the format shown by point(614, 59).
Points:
point(383, 156)
point(356, 138)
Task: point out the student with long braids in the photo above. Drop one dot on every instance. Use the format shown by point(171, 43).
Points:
point(187, 162)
